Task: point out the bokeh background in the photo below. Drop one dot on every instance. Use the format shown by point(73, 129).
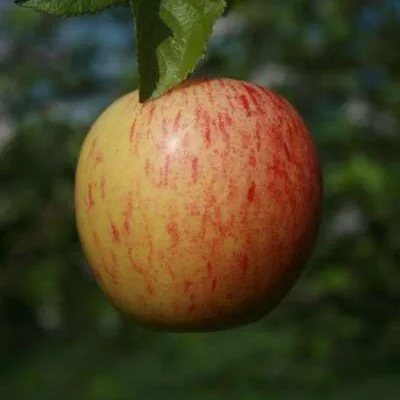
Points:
point(336, 335)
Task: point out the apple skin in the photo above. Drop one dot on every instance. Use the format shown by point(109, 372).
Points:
point(197, 211)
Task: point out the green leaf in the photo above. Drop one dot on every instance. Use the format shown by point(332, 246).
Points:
point(68, 8)
point(231, 4)
point(171, 38)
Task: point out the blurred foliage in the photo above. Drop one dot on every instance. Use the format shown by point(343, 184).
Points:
point(336, 335)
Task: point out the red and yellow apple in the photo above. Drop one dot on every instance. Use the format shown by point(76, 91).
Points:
point(199, 209)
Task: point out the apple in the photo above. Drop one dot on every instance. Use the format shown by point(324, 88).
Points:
point(198, 210)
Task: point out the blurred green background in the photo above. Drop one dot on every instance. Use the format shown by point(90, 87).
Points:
point(335, 336)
